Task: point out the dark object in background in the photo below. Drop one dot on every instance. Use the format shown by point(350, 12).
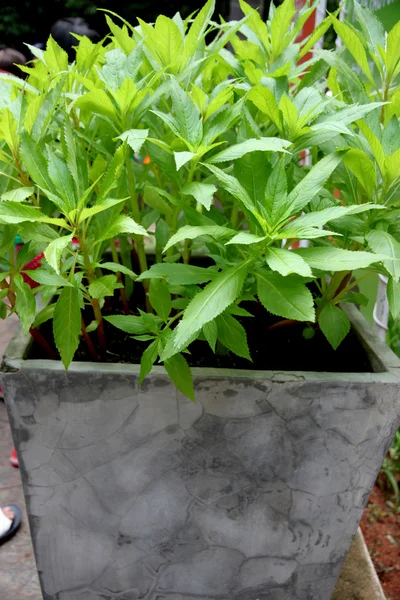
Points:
point(9, 59)
point(61, 31)
point(26, 21)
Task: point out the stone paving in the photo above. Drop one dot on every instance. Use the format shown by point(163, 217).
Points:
point(18, 577)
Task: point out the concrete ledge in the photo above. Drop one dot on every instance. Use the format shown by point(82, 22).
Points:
point(358, 579)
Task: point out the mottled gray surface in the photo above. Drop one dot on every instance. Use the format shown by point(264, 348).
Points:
point(253, 493)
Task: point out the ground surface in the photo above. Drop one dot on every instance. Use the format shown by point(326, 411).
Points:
point(381, 529)
point(18, 577)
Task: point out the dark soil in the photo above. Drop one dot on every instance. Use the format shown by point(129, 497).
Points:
point(381, 529)
point(281, 348)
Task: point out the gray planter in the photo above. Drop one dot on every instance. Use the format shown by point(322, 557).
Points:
point(253, 493)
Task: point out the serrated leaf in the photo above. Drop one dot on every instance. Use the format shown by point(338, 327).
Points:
point(385, 244)
point(210, 332)
point(207, 305)
point(160, 298)
point(18, 194)
point(336, 259)
point(117, 268)
point(148, 359)
point(265, 101)
point(232, 185)
point(189, 232)
point(55, 249)
point(62, 180)
point(180, 374)
point(232, 335)
point(393, 295)
point(86, 213)
point(202, 192)
point(286, 262)
point(187, 115)
point(354, 46)
point(67, 324)
point(253, 145)
point(128, 323)
point(103, 286)
point(25, 303)
point(44, 315)
point(245, 238)
point(122, 224)
point(55, 57)
point(98, 102)
point(276, 190)
point(334, 324)
point(287, 297)
point(135, 138)
point(181, 158)
point(45, 277)
point(179, 274)
point(362, 167)
point(196, 31)
point(252, 172)
point(34, 161)
point(355, 298)
point(318, 218)
point(15, 212)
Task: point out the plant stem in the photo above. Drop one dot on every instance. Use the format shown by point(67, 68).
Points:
point(235, 216)
point(94, 302)
point(136, 215)
point(119, 277)
point(89, 342)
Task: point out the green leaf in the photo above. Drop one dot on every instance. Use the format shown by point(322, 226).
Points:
point(153, 199)
point(354, 46)
point(181, 158)
point(135, 138)
point(210, 332)
point(385, 244)
point(207, 305)
point(286, 262)
point(276, 190)
point(37, 232)
point(45, 277)
point(362, 167)
point(117, 268)
point(287, 297)
point(18, 194)
point(336, 259)
point(25, 303)
point(232, 335)
point(180, 374)
point(98, 102)
point(334, 324)
point(14, 212)
point(44, 315)
point(62, 180)
point(202, 192)
point(232, 185)
point(103, 286)
point(246, 238)
point(160, 298)
point(86, 213)
point(310, 185)
point(128, 323)
point(393, 294)
point(187, 115)
point(148, 359)
point(355, 298)
point(280, 26)
point(121, 224)
point(370, 25)
point(55, 57)
point(55, 249)
point(252, 172)
point(178, 274)
point(318, 218)
point(238, 150)
point(197, 30)
point(67, 324)
point(265, 101)
point(189, 232)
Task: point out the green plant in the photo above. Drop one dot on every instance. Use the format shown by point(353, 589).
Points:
point(391, 470)
point(173, 145)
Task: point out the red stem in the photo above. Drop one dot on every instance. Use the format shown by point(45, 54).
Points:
point(89, 343)
point(44, 344)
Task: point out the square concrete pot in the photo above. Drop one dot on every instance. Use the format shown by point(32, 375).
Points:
point(253, 493)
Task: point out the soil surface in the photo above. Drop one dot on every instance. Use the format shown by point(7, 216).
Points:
point(274, 345)
point(381, 529)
